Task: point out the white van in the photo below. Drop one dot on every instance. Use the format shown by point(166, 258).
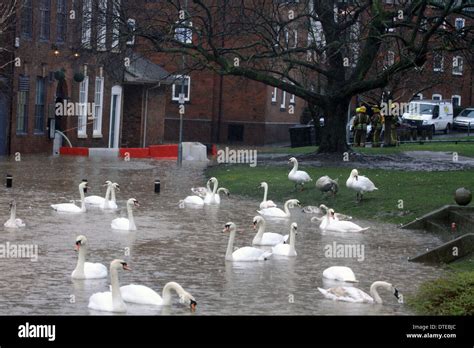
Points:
point(437, 114)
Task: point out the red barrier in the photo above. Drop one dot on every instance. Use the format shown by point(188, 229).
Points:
point(74, 151)
point(164, 151)
point(135, 152)
point(214, 150)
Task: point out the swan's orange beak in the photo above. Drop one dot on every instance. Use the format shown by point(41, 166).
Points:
point(193, 306)
point(125, 267)
point(254, 225)
point(76, 247)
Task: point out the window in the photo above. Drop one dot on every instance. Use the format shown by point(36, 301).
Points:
point(131, 25)
point(438, 61)
point(116, 26)
point(183, 32)
point(459, 23)
point(418, 96)
point(283, 101)
point(45, 19)
point(437, 96)
point(26, 19)
point(98, 106)
point(235, 132)
point(457, 65)
point(456, 100)
point(178, 87)
point(82, 117)
point(274, 95)
point(293, 100)
point(102, 26)
point(39, 105)
point(22, 107)
point(389, 59)
point(86, 23)
point(61, 21)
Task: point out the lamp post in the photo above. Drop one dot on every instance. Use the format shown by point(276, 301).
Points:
point(182, 94)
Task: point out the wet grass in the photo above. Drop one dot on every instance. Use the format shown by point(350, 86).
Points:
point(402, 196)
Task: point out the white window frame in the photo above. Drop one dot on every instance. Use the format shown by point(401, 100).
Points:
point(283, 101)
point(441, 68)
point(86, 23)
point(115, 47)
point(292, 100)
point(82, 117)
point(98, 106)
point(456, 96)
point(132, 24)
point(436, 96)
point(462, 20)
point(274, 95)
point(187, 37)
point(458, 63)
point(419, 95)
point(178, 84)
point(102, 26)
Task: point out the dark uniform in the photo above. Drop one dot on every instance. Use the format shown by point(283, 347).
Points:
point(360, 126)
point(377, 121)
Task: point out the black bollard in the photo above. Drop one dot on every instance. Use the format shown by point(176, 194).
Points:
point(85, 189)
point(157, 186)
point(9, 180)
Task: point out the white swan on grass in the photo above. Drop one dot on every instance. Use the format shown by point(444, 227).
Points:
point(71, 207)
point(266, 238)
point(360, 184)
point(341, 273)
point(284, 249)
point(124, 223)
point(330, 223)
point(245, 253)
point(86, 270)
point(266, 203)
point(299, 177)
point(98, 200)
point(13, 221)
point(277, 212)
point(355, 295)
point(110, 301)
point(144, 295)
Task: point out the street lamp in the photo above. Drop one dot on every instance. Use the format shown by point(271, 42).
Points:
point(182, 94)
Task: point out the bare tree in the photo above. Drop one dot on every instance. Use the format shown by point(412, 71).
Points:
point(7, 20)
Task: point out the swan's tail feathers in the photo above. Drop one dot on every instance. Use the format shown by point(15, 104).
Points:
point(54, 206)
point(364, 229)
point(375, 188)
point(322, 291)
point(285, 238)
point(266, 255)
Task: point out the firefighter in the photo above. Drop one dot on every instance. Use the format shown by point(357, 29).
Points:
point(376, 121)
point(360, 126)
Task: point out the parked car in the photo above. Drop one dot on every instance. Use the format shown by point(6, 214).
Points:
point(434, 114)
point(464, 118)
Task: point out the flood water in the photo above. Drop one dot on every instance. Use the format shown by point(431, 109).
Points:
point(182, 245)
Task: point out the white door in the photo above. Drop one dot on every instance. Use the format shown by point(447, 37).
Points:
point(115, 116)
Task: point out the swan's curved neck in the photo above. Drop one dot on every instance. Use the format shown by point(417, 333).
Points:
point(13, 213)
point(116, 295)
point(373, 290)
point(107, 193)
point(295, 166)
point(83, 203)
point(112, 190)
point(230, 246)
point(292, 238)
point(167, 292)
point(260, 232)
point(81, 259)
point(265, 192)
point(214, 188)
point(130, 217)
point(287, 210)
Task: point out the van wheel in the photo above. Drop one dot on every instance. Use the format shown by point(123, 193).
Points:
point(448, 129)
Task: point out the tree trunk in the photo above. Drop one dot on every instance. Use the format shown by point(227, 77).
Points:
point(333, 134)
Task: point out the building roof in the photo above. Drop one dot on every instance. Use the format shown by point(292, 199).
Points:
point(144, 71)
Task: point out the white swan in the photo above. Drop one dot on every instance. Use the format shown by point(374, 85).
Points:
point(199, 194)
point(266, 203)
point(299, 177)
point(218, 197)
point(341, 273)
point(97, 200)
point(211, 195)
point(330, 223)
point(13, 221)
point(324, 220)
point(265, 238)
point(325, 184)
point(124, 223)
point(200, 191)
point(144, 295)
point(277, 212)
point(245, 253)
point(360, 184)
point(111, 203)
point(71, 207)
point(351, 294)
point(284, 249)
point(110, 301)
point(86, 270)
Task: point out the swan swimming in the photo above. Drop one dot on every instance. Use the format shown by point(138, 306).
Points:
point(221, 189)
point(199, 194)
point(111, 201)
point(144, 295)
point(277, 212)
point(110, 301)
point(321, 211)
point(13, 221)
point(341, 273)
point(211, 195)
point(266, 203)
point(265, 238)
point(86, 270)
point(245, 253)
point(330, 223)
point(360, 184)
point(299, 177)
point(284, 249)
point(124, 223)
point(324, 220)
point(97, 200)
point(355, 295)
point(71, 207)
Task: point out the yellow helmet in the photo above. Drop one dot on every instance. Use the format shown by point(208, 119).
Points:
point(361, 109)
point(375, 109)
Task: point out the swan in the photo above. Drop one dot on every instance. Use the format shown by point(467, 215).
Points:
point(298, 176)
point(341, 273)
point(112, 202)
point(360, 184)
point(144, 295)
point(13, 222)
point(211, 195)
point(325, 184)
point(323, 210)
point(124, 223)
point(86, 270)
point(97, 200)
point(71, 207)
point(277, 212)
point(199, 194)
point(217, 197)
point(200, 191)
point(331, 224)
point(351, 294)
point(245, 253)
point(266, 204)
point(110, 301)
point(284, 249)
point(266, 238)
point(193, 200)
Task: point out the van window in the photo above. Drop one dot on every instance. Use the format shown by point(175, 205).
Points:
point(420, 108)
point(436, 112)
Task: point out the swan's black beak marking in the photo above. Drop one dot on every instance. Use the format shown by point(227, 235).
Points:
point(396, 294)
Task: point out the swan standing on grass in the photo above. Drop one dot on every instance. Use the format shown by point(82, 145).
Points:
point(266, 204)
point(299, 177)
point(277, 212)
point(124, 223)
point(330, 223)
point(266, 238)
point(341, 273)
point(110, 301)
point(351, 294)
point(287, 249)
point(325, 184)
point(71, 207)
point(144, 295)
point(97, 200)
point(86, 270)
point(245, 253)
point(360, 184)
point(13, 222)
point(211, 195)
